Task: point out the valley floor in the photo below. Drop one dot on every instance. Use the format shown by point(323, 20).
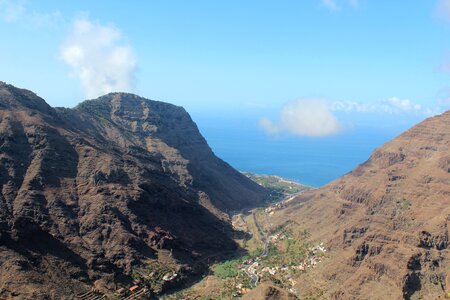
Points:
point(271, 256)
point(278, 257)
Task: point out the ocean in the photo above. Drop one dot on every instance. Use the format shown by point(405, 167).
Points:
point(311, 161)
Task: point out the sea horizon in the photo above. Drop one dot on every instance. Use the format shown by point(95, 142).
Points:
point(306, 160)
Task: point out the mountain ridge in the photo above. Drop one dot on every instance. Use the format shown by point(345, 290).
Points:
point(90, 195)
point(386, 223)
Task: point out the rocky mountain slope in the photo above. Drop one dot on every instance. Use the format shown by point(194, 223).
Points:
point(90, 194)
point(386, 223)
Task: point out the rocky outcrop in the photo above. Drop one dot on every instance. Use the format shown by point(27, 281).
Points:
point(115, 184)
point(386, 222)
point(268, 292)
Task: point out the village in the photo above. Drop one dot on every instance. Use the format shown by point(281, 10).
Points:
point(276, 255)
point(284, 257)
point(147, 284)
point(279, 256)
point(283, 273)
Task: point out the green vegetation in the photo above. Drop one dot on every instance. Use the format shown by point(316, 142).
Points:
point(228, 290)
point(289, 255)
point(279, 187)
point(152, 275)
point(254, 253)
point(227, 269)
point(293, 250)
point(296, 250)
point(403, 204)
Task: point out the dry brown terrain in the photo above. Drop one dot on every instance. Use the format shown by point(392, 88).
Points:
point(118, 184)
point(268, 292)
point(386, 223)
point(91, 194)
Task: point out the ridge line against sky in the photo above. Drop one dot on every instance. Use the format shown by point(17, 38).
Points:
point(290, 57)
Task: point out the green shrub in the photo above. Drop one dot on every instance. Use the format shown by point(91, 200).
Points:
point(226, 269)
point(403, 204)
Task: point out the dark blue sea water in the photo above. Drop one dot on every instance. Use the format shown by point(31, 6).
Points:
point(312, 161)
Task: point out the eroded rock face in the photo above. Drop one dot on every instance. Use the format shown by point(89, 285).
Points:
point(268, 292)
point(429, 241)
point(93, 192)
point(386, 223)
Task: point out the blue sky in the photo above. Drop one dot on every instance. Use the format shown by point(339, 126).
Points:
point(237, 57)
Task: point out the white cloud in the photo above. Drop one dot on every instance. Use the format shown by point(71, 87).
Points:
point(392, 105)
point(317, 118)
point(304, 118)
point(99, 58)
point(402, 105)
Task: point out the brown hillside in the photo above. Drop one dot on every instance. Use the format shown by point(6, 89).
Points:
point(98, 191)
point(386, 223)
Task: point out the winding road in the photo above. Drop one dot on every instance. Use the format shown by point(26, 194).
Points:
point(251, 272)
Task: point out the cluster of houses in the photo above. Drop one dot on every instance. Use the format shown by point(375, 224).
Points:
point(255, 266)
point(241, 290)
point(271, 209)
point(251, 268)
point(141, 288)
point(318, 248)
point(136, 291)
point(277, 237)
point(314, 258)
point(170, 276)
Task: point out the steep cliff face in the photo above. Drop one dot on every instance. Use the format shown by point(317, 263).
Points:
point(387, 222)
point(167, 131)
point(115, 184)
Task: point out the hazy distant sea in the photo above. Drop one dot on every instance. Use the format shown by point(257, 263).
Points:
point(312, 161)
